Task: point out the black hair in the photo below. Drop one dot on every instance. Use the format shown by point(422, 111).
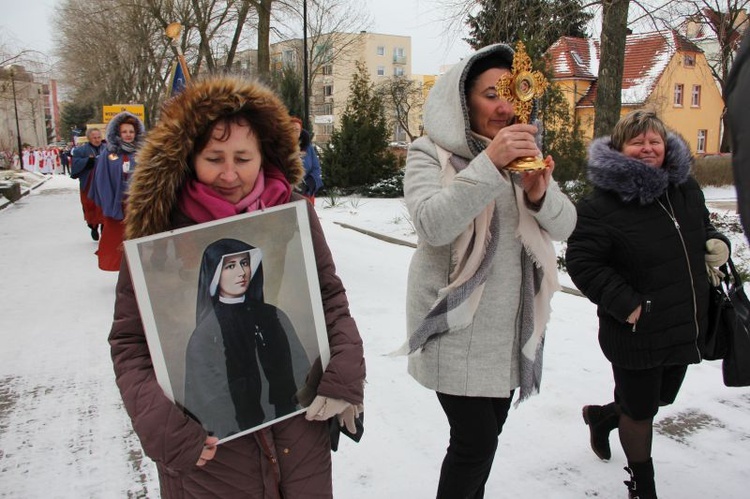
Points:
point(479, 66)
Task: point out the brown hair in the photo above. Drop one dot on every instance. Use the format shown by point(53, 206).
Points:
point(635, 123)
point(244, 118)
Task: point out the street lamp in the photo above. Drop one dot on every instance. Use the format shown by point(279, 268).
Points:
point(305, 89)
point(15, 108)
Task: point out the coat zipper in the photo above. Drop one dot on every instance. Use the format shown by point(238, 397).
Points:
point(670, 213)
point(272, 459)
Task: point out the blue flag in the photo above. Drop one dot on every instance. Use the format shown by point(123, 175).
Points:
point(178, 79)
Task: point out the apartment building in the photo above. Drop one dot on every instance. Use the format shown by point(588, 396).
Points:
point(332, 64)
point(30, 97)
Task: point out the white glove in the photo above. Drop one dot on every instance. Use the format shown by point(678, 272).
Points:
point(324, 408)
point(717, 254)
point(714, 275)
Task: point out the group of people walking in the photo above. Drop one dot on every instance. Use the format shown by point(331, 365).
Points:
point(104, 171)
point(479, 286)
point(46, 160)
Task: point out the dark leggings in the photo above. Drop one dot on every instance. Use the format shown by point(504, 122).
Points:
point(475, 425)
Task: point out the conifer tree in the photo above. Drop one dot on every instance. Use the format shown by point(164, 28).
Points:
point(538, 23)
point(357, 154)
point(288, 84)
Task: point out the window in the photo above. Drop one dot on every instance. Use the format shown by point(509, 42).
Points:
point(327, 129)
point(328, 108)
point(696, 98)
point(288, 57)
point(688, 61)
point(398, 55)
point(328, 90)
point(678, 89)
point(381, 50)
point(324, 52)
point(328, 70)
point(381, 70)
point(701, 144)
point(398, 71)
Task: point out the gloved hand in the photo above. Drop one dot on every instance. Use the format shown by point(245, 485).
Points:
point(717, 254)
point(324, 408)
point(714, 275)
point(349, 415)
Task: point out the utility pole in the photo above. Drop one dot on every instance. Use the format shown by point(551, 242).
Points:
point(305, 89)
point(15, 108)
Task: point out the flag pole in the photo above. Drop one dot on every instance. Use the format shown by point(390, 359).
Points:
point(173, 31)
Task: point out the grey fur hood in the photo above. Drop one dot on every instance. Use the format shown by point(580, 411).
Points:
point(633, 179)
point(113, 129)
point(446, 109)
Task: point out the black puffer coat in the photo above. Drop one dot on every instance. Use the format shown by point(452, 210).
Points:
point(626, 250)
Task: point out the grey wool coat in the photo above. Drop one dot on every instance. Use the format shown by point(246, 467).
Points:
point(482, 359)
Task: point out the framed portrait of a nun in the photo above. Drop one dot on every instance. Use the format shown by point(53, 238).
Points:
point(233, 316)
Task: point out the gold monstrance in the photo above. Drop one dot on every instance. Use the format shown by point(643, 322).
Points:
point(520, 87)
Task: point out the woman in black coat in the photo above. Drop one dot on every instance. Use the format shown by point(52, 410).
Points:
point(638, 251)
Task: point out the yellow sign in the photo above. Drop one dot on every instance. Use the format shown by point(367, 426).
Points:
point(108, 112)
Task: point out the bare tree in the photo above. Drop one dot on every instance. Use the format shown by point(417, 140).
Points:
point(112, 52)
point(717, 27)
point(402, 98)
point(330, 26)
point(116, 51)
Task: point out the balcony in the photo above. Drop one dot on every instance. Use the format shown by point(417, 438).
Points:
point(399, 59)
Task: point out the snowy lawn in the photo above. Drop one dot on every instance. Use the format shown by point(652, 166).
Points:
point(64, 433)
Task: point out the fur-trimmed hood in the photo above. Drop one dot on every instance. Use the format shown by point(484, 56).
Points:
point(114, 140)
point(165, 161)
point(633, 179)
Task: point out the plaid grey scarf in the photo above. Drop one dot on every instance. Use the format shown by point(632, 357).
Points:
point(456, 305)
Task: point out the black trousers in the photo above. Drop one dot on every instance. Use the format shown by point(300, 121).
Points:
point(475, 424)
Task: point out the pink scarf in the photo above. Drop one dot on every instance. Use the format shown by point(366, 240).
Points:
point(202, 204)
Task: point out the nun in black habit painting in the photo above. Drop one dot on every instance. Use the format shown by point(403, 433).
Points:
point(236, 336)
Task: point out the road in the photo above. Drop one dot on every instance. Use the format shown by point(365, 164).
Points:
point(63, 431)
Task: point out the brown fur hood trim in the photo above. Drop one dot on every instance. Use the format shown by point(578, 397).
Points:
point(165, 163)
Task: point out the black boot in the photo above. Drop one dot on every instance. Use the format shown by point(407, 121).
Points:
point(641, 484)
point(94, 232)
point(601, 420)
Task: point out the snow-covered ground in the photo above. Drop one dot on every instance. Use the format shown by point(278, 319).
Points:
point(64, 433)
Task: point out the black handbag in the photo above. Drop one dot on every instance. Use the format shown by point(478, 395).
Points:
point(736, 319)
point(713, 344)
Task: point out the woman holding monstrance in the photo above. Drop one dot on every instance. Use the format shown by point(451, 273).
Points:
point(484, 271)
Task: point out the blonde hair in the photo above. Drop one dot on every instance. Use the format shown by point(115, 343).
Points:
point(635, 123)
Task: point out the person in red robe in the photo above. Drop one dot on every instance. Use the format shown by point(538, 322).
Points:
point(84, 163)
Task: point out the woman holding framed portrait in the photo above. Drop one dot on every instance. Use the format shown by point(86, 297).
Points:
point(224, 147)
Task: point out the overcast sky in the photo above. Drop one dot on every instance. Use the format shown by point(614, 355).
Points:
point(29, 24)
point(431, 44)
